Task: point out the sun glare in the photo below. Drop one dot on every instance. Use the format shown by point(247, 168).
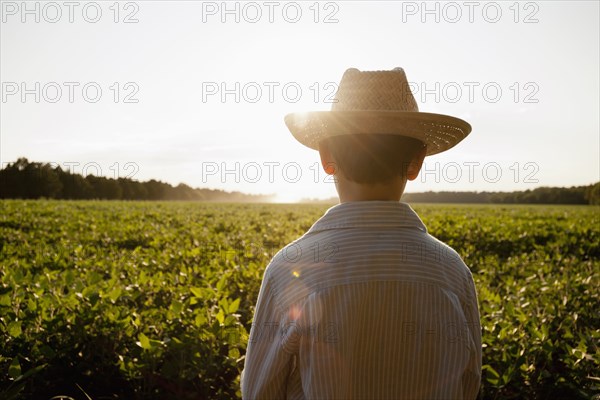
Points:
point(287, 198)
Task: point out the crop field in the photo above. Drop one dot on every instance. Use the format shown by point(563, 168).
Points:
point(145, 300)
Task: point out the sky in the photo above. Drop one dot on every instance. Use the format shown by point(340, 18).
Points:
point(196, 91)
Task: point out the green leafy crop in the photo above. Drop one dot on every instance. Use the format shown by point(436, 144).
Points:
point(141, 300)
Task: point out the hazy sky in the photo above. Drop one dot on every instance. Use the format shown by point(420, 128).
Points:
point(196, 92)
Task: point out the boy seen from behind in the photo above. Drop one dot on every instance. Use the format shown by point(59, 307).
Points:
point(367, 304)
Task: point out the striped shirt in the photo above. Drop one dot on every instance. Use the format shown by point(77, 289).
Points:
point(365, 305)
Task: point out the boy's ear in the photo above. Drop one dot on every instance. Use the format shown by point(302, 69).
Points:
point(326, 159)
point(415, 165)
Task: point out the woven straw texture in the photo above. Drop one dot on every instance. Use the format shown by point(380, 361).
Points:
point(377, 102)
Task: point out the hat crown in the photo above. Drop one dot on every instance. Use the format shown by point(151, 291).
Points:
point(374, 90)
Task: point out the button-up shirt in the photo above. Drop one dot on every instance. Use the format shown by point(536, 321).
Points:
point(365, 305)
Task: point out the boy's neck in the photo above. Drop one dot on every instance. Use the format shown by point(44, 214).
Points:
point(352, 191)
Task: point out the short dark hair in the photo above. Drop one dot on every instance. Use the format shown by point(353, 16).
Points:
point(372, 158)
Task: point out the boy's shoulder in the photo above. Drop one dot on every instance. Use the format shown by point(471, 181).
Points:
point(321, 251)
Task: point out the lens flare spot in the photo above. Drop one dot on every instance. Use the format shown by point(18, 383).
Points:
point(296, 274)
point(294, 313)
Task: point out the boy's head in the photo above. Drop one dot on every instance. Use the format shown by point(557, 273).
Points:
point(366, 163)
point(372, 158)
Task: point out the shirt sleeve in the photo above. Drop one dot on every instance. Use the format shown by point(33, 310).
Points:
point(471, 380)
point(267, 365)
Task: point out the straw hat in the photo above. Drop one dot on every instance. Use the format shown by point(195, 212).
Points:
point(377, 102)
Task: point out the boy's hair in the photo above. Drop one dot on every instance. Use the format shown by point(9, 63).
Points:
point(372, 158)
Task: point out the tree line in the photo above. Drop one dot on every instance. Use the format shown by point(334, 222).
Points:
point(543, 195)
point(33, 180)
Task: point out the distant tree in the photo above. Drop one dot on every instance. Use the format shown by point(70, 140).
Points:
point(184, 192)
point(10, 185)
point(155, 189)
point(74, 186)
point(139, 191)
point(592, 194)
point(27, 180)
point(104, 188)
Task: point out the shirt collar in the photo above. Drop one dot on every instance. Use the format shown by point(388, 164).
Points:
point(363, 214)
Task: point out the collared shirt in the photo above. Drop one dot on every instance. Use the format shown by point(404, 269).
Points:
point(365, 305)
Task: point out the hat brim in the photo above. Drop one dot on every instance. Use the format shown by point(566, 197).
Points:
point(439, 132)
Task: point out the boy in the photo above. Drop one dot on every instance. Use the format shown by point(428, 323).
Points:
point(367, 304)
